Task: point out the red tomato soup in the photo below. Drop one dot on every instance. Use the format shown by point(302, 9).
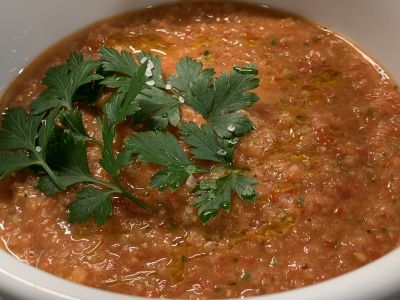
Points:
point(325, 149)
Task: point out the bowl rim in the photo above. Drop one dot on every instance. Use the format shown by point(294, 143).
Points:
point(28, 282)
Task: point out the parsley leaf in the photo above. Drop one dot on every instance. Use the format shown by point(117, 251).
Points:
point(132, 79)
point(118, 62)
point(218, 99)
point(216, 194)
point(123, 64)
point(123, 105)
point(154, 65)
point(11, 162)
point(72, 120)
point(161, 106)
point(69, 161)
point(244, 188)
point(20, 133)
point(154, 103)
point(172, 177)
point(162, 149)
point(46, 131)
point(121, 83)
point(200, 95)
point(157, 148)
point(231, 125)
point(115, 108)
point(205, 144)
point(75, 59)
point(188, 71)
point(107, 160)
point(45, 101)
point(63, 81)
point(232, 92)
point(90, 201)
point(19, 130)
point(47, 186)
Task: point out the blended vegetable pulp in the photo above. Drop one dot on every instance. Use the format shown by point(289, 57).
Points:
point(326, 150)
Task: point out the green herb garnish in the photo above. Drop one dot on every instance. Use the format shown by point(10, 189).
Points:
point(53, 138)
point(246, 276)
point(216, 194)
point(63, 82)
point(163, 149)
point(23, 140)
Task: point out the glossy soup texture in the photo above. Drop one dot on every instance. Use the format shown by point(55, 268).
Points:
point(326, 151)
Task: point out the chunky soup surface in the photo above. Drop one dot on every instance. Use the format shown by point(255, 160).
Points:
point(326, 151)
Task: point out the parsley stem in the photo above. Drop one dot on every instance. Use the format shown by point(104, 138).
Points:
point(134, 199)
point(48, 170)
point(234, 170)
point(51, 173)
point(106, 184)
point(119, 190)
point(68, 104)
point(200, 170)
point(95, 141)
point(99, 122)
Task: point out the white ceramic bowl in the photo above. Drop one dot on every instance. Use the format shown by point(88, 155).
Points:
point(28, 27)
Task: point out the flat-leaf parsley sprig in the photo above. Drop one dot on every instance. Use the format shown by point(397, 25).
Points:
point(220, 101)
point(71, 164)
point(54, 138)
point(52, 135)
point(24, 139)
